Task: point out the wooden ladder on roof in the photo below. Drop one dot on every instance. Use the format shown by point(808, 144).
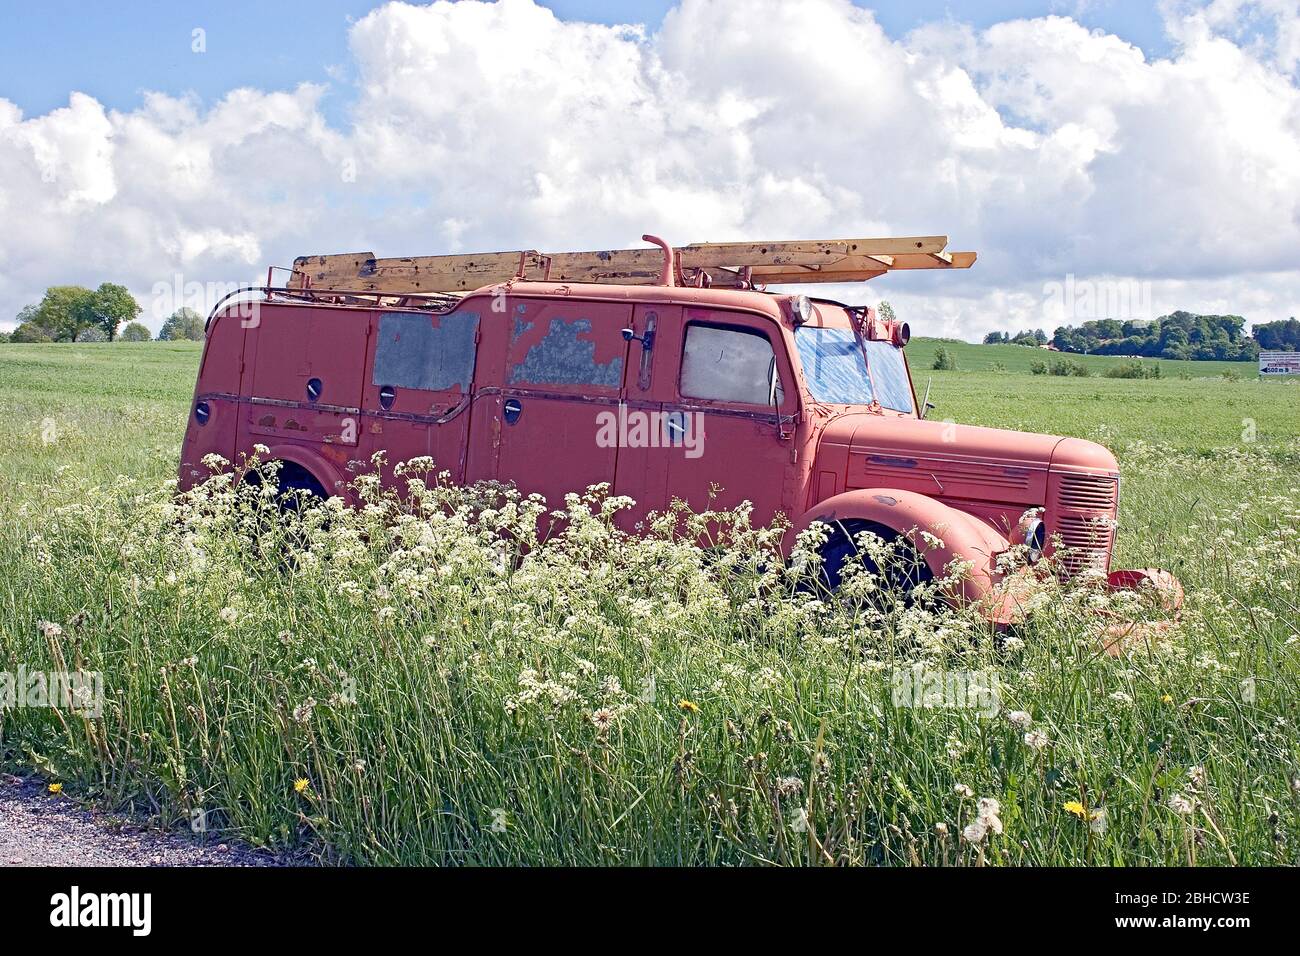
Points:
point(735, 265)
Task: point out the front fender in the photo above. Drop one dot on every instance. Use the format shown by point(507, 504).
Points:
point(963, 537)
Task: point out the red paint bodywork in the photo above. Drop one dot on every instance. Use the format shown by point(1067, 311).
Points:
point(965, 485)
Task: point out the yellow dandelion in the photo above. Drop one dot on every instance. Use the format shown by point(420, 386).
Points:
point(1166, 699)
point(1079, 810)
point(301, 784)
point(689, 706)
point(56, 788)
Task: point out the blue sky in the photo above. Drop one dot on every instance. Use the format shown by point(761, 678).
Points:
point(115, 52)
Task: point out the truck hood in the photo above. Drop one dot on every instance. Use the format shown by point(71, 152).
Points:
point(951, 461)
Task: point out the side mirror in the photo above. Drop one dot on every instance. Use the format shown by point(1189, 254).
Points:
point(647, 341)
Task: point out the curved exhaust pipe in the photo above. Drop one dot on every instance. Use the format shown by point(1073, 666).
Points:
point(668, 275)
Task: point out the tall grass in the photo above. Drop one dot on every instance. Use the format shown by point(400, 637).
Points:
point(422, 681)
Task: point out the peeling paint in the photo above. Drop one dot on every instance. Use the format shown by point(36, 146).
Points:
point(566, 355)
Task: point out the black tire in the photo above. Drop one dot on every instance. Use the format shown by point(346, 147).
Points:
point(298, 487)
point(903, 577)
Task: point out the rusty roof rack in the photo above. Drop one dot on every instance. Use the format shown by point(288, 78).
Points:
point(735, 265)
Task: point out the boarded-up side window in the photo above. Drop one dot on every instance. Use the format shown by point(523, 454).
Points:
point(433, 352)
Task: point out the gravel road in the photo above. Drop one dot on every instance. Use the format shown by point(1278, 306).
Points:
point(38, 828)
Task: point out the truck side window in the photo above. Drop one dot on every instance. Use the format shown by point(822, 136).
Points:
point(419, 350)
point(729, 365)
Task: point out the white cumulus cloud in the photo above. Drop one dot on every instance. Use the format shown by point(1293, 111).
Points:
point(1048, 148)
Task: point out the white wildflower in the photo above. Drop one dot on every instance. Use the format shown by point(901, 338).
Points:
point(1181, 804)
point(302, 713)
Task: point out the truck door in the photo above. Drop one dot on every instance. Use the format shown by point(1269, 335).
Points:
point(723, 377)
point(649, 435)
point(307, 365)
point(564, 366)
point(416, 397)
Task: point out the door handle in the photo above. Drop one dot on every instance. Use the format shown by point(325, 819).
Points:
point(512, 409)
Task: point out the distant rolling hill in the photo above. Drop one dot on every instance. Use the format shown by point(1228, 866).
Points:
point(1018, 358)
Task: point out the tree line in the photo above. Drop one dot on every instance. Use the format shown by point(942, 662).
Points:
point(1179, 335)
point(73, 313)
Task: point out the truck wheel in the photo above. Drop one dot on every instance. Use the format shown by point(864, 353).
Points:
point(298, 487)
point(902, 576)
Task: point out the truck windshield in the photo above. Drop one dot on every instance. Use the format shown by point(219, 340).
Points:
point(889, 373)
point(836, 367)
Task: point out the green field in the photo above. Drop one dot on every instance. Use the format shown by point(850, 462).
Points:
point(396, 690)
point(1019, 358)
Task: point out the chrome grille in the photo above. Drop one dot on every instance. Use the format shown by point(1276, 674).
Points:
point(1086, 492)
point(1082, 515)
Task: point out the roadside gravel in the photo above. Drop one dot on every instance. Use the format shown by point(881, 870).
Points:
point(38, 828)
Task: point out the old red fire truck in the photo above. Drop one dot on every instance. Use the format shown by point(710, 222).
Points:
point(667, 372)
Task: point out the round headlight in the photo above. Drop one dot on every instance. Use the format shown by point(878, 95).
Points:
point(1035, 535)
point(802, 309)
point(902, 333)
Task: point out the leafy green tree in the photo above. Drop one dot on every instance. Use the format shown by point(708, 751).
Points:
point(64, 311)
point(31, 332)
point(944, 360)
point(182, 324)
point(1280, 336)
point(109, 306)
point(134, 332)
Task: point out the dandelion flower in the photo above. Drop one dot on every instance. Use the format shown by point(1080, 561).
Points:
point(1076, 808)
point(302, 713)
point(689, 706)
point(1166, 699)
point(1180, 804)
point(988, 810)
point(301, 784)
point(987, 820)
point(789, 786)
point(56, 788)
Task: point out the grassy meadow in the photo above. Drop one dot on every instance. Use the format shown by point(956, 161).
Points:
point(420, 682)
